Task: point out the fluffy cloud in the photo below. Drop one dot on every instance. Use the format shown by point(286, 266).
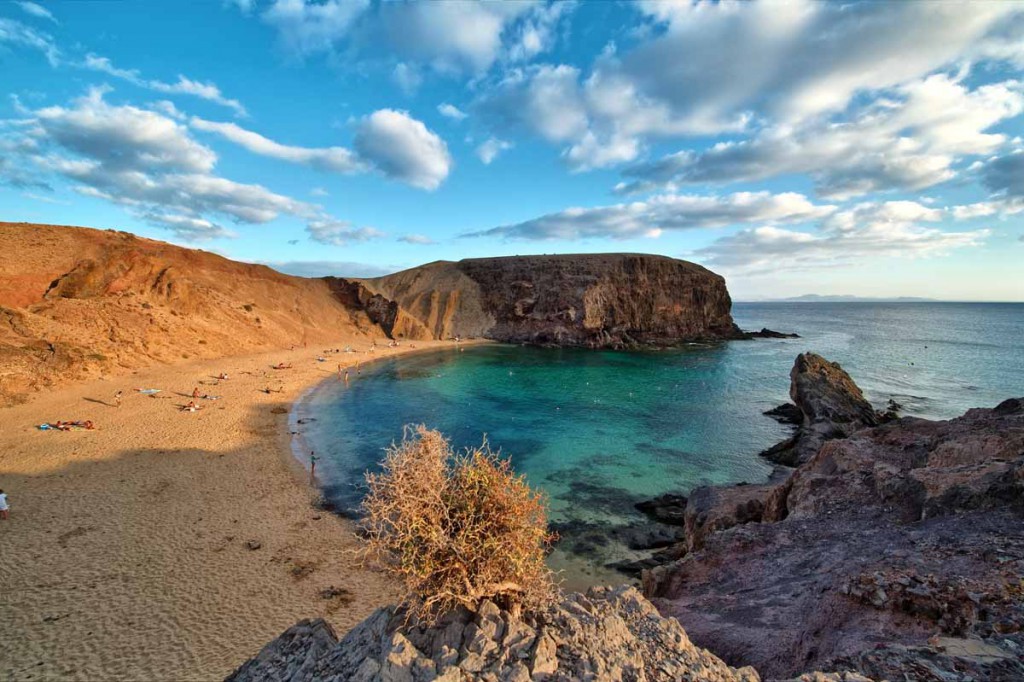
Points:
point(330, 159)
point(666, 212)
point(787, 64)
point(340, 232)
point(489, 150)
point(909, 140)
point(149, 163)
point(305, 28)
point(450, 37)
point(37, 11)
point(391, 142)
point(451, 111)
point(183, 86)
point(868, 230)
point(403, 148)
point(407, 77)
point(123, 138)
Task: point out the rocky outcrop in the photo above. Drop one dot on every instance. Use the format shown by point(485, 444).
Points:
point(607, 634)
point(831, 405)
point(894, 550)
point(590, 300)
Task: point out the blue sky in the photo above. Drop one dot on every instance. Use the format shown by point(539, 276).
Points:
point(856, 148)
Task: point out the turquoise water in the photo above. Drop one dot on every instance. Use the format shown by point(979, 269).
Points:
point(600, 430)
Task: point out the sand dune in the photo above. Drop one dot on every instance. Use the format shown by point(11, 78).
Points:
point(125, 554)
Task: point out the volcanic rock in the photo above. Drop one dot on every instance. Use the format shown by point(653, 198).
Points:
point(607, 634)
point(895, 550)
point(591, 300)
point(832, 406)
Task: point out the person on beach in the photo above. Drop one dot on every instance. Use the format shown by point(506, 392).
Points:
point(3, 505)
point(195, 392)
point(222, 376)
point(117, 398)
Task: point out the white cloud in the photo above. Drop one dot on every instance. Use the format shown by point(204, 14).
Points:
point(37, 11)
point(489, 150)
point(449, 37)
point(727, 67)
point(189, 228)
point(340, 232)
point(330, 159)
point(866, 231)
point(908, 140)
point(183, 86)
point(403, 148)
point(416, 239)
point(451, 111)
point(407, 77)
point(666, 212)
point(306, 28)
point(319, 192)
point(148, 163)
point(18, 34)
point(124, 138)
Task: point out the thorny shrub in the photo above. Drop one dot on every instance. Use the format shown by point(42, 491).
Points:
point(456, 529)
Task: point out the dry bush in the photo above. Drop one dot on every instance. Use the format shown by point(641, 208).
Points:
point(457, 528)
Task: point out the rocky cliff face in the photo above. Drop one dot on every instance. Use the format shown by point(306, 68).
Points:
point(613, 635)
point(590, 300)
point(894, 550)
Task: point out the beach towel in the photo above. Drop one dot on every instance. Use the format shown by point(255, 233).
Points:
point(148, 391)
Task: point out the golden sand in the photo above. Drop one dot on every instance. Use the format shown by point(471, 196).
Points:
point(125, 555)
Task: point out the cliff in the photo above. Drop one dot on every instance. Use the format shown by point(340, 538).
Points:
point(590, 300)
point(894, 549)
point(78, 303)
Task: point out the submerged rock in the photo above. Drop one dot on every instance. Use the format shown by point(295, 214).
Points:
point(607, 634)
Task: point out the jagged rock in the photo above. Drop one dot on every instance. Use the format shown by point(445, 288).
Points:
point(786, 413)
point(890, 535)
point(594, 300)
point(832, 406)
point(714, 508)
point(767, 333)
point(607, 634)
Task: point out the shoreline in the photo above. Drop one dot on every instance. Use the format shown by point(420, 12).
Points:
point(127, 551)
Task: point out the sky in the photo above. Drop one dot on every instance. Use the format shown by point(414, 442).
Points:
point(861, 148)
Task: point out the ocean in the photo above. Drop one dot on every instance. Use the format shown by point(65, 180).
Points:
point(601, 430)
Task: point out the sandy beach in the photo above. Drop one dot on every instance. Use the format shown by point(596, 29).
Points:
point(167, 545)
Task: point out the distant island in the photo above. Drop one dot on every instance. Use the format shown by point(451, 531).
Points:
point(819, 298)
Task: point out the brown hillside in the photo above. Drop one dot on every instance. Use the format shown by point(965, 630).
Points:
point(78, 302)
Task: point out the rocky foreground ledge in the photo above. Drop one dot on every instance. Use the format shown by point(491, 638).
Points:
point(607, 634)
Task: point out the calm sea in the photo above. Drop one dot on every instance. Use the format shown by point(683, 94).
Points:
point(600, 430)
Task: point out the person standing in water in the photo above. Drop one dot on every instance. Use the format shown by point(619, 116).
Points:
point(3, 505)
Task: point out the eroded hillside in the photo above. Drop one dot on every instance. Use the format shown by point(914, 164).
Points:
point(77, 303)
